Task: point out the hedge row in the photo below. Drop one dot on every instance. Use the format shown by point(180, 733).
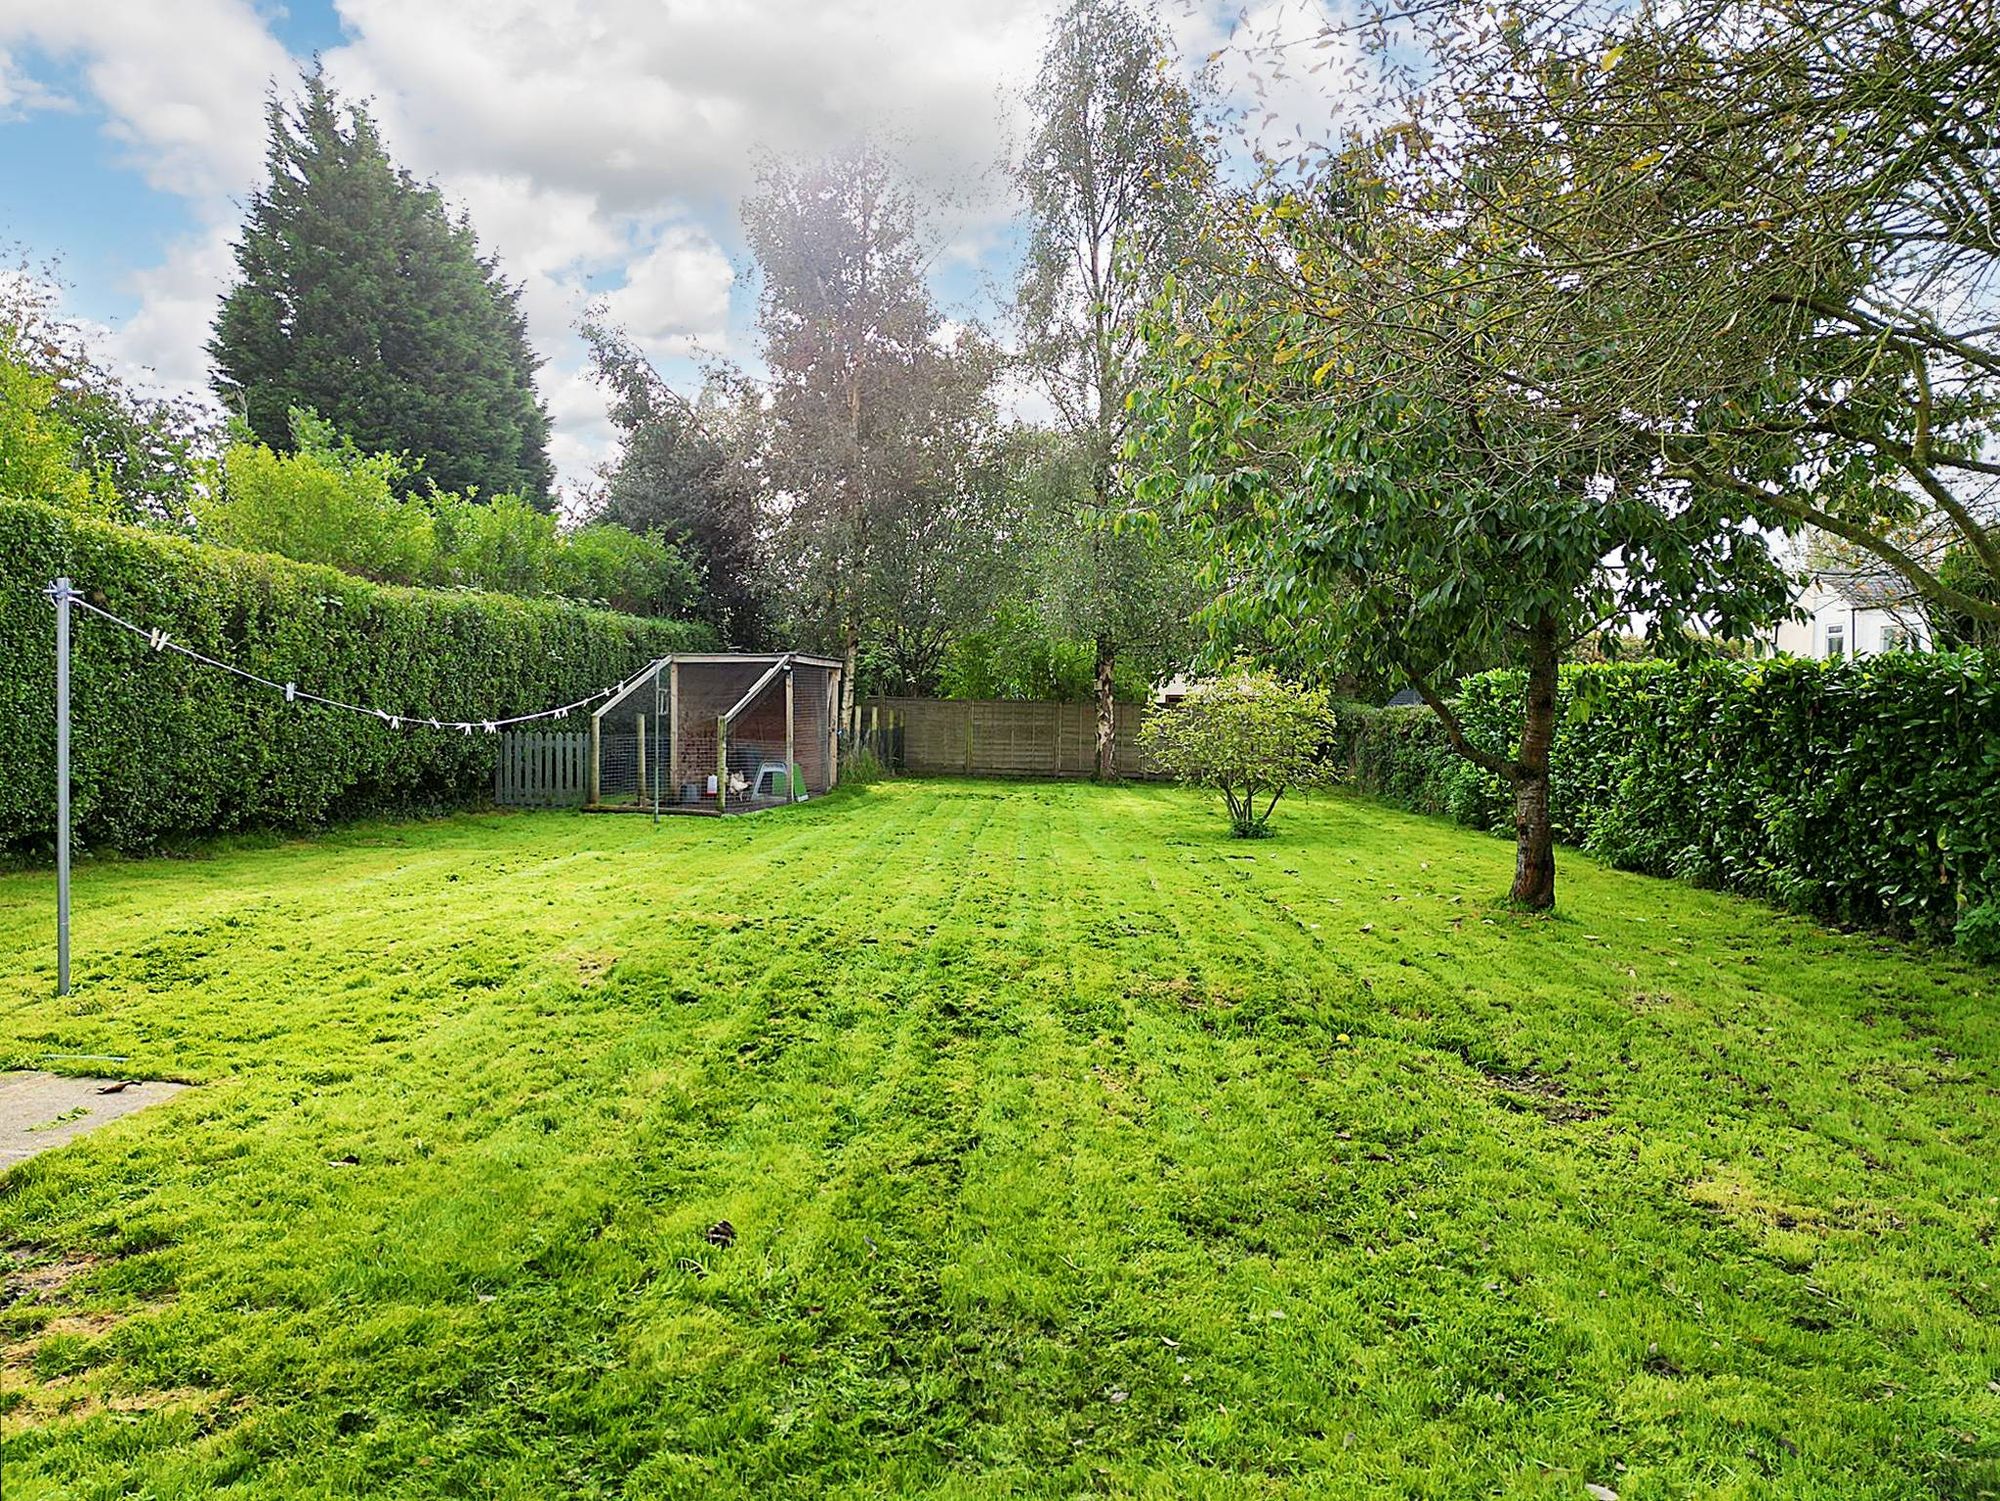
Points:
point(164, 748)
point(1863, 792)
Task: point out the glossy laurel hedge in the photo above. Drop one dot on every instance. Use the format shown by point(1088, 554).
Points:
point(165, 748)
point(1863, 792)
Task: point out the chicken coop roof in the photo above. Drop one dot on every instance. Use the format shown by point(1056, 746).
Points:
point(644, 677)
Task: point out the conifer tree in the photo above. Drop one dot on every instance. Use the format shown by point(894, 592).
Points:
point(362, 298)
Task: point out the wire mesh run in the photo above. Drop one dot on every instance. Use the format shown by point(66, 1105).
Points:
point(718, 734)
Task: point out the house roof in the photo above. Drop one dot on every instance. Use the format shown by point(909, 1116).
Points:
point(1867, 591)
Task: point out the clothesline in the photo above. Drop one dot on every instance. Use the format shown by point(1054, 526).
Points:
point(160, 641)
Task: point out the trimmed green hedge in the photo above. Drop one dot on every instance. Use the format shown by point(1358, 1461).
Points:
point(1864, 792)
point(164, 748)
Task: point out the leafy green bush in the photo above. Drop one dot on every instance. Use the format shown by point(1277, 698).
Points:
point(1401, 754)
point(1862, 791)
point(40, 454)
point(164, 747)
point(1250, 736)
point(859, 765)
point(328, 502)
point(607, 565)
point(325, 502)
point(1978, 933)
point(116, 451)
point(1019, 655)
point(1963, 571)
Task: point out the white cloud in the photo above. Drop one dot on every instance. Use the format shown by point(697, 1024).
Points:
point(676, 294)
point(21, 94)
point(182, 84)
point(1291, 81)
point(583, 436)
point(182, 89)
point(647, 105)
point(162, 343)
point(551, 240)
point(1020, 398)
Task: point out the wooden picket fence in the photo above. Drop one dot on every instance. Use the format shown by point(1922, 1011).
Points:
point(542, 769)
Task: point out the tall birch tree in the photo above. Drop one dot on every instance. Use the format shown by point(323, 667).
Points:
point(1113, 175)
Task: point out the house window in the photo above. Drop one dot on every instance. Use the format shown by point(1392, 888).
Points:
point(1897, 638)
point(1836, 641)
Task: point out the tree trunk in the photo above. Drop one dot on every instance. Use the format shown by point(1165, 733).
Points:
point(1107, 722)
point(850, 703)
point(1534, 844)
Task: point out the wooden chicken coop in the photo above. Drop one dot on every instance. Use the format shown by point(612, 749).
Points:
point(717, 732)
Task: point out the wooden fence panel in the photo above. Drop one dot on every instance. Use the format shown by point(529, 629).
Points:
point(1014, 739)
point(542, 769)
point(990, 737)
point(935, 735)
point(1076, 753)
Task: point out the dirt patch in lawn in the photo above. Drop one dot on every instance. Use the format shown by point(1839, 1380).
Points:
point(1537, 1094)
point(37, 1279)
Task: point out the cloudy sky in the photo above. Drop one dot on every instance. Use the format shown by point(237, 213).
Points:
point(601, 146)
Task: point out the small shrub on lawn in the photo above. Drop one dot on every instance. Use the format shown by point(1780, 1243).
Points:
point(1250, 736)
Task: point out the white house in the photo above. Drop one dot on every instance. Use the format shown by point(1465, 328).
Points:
point(1850, 616)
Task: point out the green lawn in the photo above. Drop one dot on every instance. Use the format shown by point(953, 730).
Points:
point(1070, 1148)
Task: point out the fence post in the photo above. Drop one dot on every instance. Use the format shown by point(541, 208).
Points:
point(639, 792)
point(596, 782)
point(721, 765)
point(674, 727)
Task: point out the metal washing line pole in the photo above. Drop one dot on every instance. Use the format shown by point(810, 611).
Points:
point(61, 592)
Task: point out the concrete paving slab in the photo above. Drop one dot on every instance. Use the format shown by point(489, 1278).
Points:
point(41, 1110)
